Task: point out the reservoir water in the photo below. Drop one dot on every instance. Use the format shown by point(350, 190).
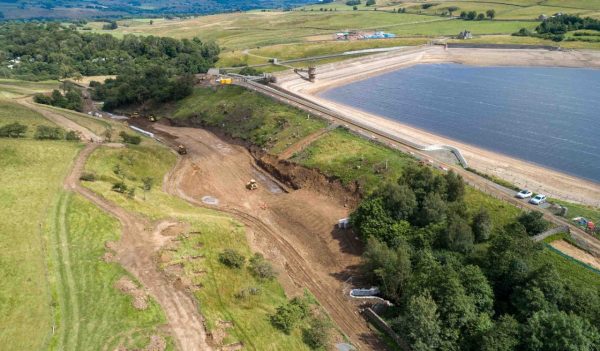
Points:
point(546, 115)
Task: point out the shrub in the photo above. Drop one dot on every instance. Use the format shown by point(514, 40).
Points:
point(533, 222)
point(482, 225)
point(72, 135)
point(49, 133)
point(287, 316)
point(231, 258)
point(261, 268)
point(87, 177)
point(316, 336)
point(119, 187)
point(130, 139)
point(250, 71)
point(247, 292)
point(42, 99)
point(13, 130)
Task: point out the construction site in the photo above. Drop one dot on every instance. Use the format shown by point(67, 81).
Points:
point(297, 216)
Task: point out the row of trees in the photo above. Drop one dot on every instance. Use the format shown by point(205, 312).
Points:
point(555, 27)
point(71, 99)
point(51, 51)
point(452, 295)
point(473, 15)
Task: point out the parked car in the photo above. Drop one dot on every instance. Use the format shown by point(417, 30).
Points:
point(523, 194)
point(538, 199)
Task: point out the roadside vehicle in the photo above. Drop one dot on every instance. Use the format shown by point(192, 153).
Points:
point(523, 194)
point(538, 199)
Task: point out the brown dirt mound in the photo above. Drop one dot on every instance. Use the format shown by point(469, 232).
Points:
point(127, 286)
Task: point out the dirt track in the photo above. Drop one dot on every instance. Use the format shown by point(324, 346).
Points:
point(62, 121)
point(296, 230)
point(136, 251)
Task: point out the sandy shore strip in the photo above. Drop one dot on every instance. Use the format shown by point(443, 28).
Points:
point(521, 173)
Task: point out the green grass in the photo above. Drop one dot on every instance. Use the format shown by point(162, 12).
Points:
point(572, 271)
point(501, 212)
point(248, 115)
point(10, 88)
point(32, 174)
point(217, 231)
point(11, 112)
point(578, 210)
point(95, 125)
point(92, 313)
point(351, 158)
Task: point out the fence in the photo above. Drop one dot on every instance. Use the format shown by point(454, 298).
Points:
point(569, 258)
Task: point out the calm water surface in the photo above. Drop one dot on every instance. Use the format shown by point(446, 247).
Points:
point(549, 116)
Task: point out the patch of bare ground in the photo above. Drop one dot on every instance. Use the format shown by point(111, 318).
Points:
point(576, 253)
point(157, 343)
point(127, 286)
point(296, 229)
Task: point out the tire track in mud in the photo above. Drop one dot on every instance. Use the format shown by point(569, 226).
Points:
point(135, 251)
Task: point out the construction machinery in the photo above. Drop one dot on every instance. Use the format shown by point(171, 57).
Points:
point(181, 150)
point(252, 185)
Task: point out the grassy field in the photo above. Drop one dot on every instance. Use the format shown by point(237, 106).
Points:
point(11, 112)
point(573, 272)
point(352, 158)
point(56, 291)
point(247, 115)
point(92, 313)
point(10, 88)
point(313, 27)
point(216, 232)
point(32, 173)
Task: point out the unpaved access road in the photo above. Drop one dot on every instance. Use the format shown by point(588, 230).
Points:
point(85, 134)
point(295, 229)
point(136, 252)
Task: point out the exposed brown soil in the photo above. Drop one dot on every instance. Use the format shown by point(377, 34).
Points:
point(576, 253)
point(295, 229)
point(136, 251)
point(127, 286)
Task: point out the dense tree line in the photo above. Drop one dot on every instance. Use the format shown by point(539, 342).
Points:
point(35, 51)
point(555, 27)
point(71, 99)
point(449, 295)
point(150, 84)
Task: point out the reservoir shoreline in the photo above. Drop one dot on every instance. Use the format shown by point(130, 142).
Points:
point(525, 174)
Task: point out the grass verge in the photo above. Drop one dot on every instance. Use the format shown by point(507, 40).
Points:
point(249, 116)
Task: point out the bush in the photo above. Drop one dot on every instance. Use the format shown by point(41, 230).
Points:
point(72, 136)
point(13, 130)
point(130, 139)
point(533, 222)
point(49, 133)
point(482, 225)
point(316, 336)
point(42, 99)
point(250, 71)
point(87, 177)
point(261, 268)
point(119, 187)
point(231, 258)
point(287, 316)
point(247, 292)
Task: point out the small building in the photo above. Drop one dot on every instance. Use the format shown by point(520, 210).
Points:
point(344, 223)
point(465, 35)
point(542, 17)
